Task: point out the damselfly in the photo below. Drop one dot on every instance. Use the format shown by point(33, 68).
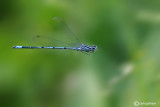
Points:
point(78, 46)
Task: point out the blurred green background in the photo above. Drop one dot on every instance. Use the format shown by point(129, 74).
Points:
point(125, 69)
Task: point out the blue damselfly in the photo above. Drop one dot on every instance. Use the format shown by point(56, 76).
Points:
point(78, 46)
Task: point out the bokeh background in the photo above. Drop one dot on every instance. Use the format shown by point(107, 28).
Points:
point(125, 69)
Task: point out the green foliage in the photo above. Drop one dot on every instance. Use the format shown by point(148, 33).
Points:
point(124, 69)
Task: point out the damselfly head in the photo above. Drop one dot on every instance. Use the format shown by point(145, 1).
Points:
point(94, 47)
